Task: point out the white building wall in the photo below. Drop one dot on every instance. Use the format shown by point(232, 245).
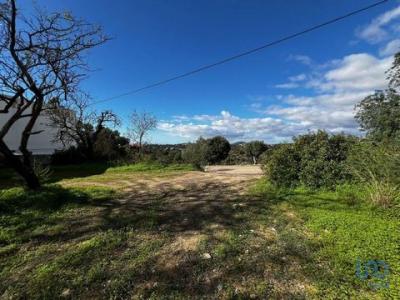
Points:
point(39, 144)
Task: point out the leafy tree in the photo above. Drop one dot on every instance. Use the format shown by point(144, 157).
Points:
point(394, 72)
point(379, 116)
point(217, 149)
point(254, 149)
point(237, 155)
point(41, 58)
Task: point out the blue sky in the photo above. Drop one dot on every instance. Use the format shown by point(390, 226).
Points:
point(306, 83)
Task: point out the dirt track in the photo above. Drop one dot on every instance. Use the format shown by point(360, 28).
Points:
point(191, 201)
point(249, 171)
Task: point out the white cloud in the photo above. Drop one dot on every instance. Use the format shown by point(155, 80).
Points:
point(234, 128)
point(180, 118)
point(336, 91)
point(300, 77)
point(391, 48)
point(293, 82)
point(288, 85)
point(360, 71)
point(333, 90)
point(377, 31)
point(304, 59)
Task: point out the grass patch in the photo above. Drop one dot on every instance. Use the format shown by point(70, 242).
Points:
point(8, 177)
point(193, 242)
point(151, 167)
point(58, 241)
point(26, 214)
point(345, 232)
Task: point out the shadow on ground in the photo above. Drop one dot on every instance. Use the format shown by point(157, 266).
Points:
point(9, 178)
point(203, 239)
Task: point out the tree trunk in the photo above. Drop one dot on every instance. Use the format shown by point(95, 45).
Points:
point(24, 170)
point(140, 142)
point(254, 160)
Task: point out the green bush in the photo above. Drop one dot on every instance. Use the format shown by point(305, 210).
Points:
point(195, 154)
point(282, 166)
point(217, 149)
point(323, 159)
point(314, 160)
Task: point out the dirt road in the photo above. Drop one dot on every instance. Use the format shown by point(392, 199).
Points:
point(233, 176)
point(192, 201)
point(167, 235)
point(245, 171)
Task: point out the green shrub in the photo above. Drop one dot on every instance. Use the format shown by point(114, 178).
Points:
point(282, 165)
point(323, 159)
point(217, 149)
point(314, 160)
point(195, 154)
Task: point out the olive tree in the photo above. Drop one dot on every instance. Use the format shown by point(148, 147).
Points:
point(254, 150)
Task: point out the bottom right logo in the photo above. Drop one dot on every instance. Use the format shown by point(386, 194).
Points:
point(374, 271)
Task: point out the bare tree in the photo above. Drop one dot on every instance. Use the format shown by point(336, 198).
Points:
point(77, 124)
point(140, 125)
point(41, 59)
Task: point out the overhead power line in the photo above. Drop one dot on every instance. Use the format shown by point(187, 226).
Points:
point(228, 59)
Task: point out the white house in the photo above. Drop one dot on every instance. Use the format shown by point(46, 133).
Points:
point(42, 143)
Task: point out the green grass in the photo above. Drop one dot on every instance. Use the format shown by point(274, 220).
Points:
point(81, 242)
point(53, 241)
point(8, 178)
point(26, 214)
point(344, 231)
point(151, 167)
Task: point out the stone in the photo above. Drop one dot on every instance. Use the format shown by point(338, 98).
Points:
point(66, 293)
